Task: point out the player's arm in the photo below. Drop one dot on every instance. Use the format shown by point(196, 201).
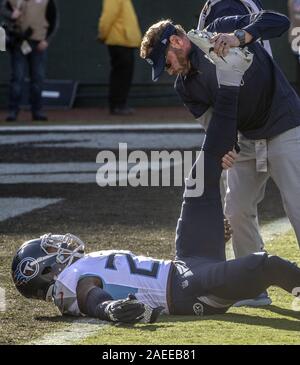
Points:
point(97, 303)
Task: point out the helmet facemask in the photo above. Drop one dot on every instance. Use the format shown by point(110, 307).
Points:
point(67, 248)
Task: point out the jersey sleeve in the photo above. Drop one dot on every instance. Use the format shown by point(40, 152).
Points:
point(65, 300)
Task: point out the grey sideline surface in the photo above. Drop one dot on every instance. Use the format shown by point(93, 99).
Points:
point(115, 128)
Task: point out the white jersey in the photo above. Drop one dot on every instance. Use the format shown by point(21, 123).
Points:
point(121, 273)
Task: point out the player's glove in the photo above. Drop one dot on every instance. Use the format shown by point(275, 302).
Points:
point(129, 310)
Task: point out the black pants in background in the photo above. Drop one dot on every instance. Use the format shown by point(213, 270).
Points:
point(121, 74)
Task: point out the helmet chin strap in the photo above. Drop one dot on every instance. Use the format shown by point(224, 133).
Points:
point(49, 293)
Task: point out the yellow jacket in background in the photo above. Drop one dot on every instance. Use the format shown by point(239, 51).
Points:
point(118, 24)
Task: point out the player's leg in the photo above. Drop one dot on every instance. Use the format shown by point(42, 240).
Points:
point(249, 276)
point(215, 286)
point(200, 229)
point(284, 161)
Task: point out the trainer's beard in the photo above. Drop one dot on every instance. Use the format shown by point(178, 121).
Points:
point(184, 63)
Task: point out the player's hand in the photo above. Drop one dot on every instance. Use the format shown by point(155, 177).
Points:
point(223, 42)
point(129, 310)
point(227, 230)
point(229, 159)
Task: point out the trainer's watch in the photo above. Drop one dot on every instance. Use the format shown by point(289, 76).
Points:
point(241, 36)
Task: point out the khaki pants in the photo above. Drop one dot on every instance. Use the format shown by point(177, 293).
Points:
point(279, 158)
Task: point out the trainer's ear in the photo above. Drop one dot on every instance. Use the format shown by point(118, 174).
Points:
point(176, 41)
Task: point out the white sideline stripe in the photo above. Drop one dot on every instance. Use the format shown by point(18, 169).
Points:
point(103, 127)
point(84, 328)
point(104, 141)
point(77, 331)
point(82, 172)
point(13, 207)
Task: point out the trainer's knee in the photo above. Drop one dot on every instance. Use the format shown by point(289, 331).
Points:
point(237, 211)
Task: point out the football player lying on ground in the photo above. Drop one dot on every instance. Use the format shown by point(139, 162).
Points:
point(119, 286)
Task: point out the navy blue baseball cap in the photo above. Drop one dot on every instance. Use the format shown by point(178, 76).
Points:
point(157, 57)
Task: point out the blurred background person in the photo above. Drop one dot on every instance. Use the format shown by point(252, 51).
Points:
point(30, 25)
point(294, 15)
point(120, 31)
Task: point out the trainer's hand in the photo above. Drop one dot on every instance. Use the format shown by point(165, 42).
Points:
point(229, 159)
point(222, 43)
point(129, 310)
point(227, 230)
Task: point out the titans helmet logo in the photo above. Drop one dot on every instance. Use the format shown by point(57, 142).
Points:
point(27, 269)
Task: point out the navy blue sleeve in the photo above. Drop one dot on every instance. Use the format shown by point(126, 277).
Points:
point(263, 25)
point(225, 8)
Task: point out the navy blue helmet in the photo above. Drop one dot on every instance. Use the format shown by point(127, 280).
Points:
point(38, 263)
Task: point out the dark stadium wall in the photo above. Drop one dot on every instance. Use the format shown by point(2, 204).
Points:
point(75, 53)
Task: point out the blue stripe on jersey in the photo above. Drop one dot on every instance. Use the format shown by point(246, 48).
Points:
point(119, 291)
